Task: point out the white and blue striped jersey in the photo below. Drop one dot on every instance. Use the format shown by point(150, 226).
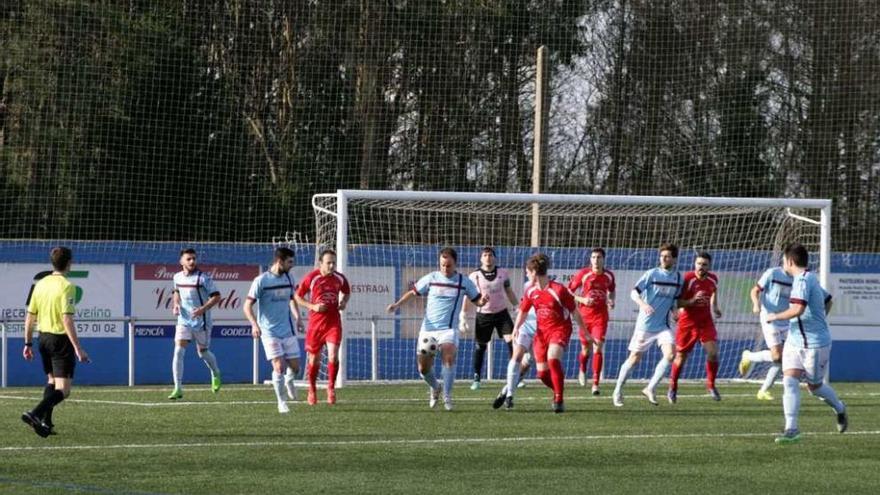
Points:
point(444, 298)
point(659, 288)
point(775, 287)
point(809, 330)
point(273, 294)
point(194, 288)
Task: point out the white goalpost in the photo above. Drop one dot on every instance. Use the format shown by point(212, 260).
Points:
point(387, 239)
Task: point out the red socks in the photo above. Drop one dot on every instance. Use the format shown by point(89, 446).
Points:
point(597, 367)
point(312, 373)
point(711, 373)
point(673, 376)
point(582, 361)
point(557, 377)
point(544, 376)
point(332, 369)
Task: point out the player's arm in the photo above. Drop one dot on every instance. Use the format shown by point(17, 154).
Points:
point(302, 301)
point(716, 306)
point(175, 302)
point(828, 303)
point(29, 321)
point(343, 302)
point(755, 296)
point(403, 299)
point(70, 330)
point(637, 298)
point(212, 301)
point(294, 310)
point(795, 309)
point(612, 295)
point(511, 296)
point(249, 314)
point(576, 316)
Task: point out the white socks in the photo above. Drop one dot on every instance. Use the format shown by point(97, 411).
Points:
point(448, 374)
point(772, 373)
point(430, 379)
point(622, 375)
point(278, 385)
point(210, 361)
point(791, 401)
point(759, 357)
point(512, 376)
point(659, 373)
point(177, 366)
point(829, 396)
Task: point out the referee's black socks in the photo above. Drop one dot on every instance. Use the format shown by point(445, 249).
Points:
point(50, 400)
point(46, 392)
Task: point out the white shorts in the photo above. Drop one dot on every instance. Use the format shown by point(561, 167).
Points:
point(445, 336)
point(775, 332)
point(288, 347)
point(200, 335)
point(525, 339)
point(813, 362)
point(641, 340)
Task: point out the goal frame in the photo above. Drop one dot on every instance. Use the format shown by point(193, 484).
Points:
point(343, 196)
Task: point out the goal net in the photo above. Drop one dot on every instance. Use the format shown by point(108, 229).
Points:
point(391, 239)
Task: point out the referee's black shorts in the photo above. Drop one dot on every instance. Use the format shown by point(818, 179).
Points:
point(57, 354)
point(486, 323)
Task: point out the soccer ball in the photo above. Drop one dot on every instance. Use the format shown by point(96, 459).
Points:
point(427, 346)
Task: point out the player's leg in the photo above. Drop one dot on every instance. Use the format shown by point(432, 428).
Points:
point(314, 344)
point(792, 371)
point(598, 356)
point(447, 361)
point(332, 370)
point(540, 348)
point(59, 363)
point(525, 366)
point(773, 372)
point(279, 366)
point(583, 356)
point(555, 353)
point(513, 371)
point(666, 343)
point(182, 337)
point(290, 347)
point(47, 391)
point(638, 344)
point(815, 365)
point(681, 356)
point(710, 347)
point(505, 331)
point(484, 326)
point(203, 347)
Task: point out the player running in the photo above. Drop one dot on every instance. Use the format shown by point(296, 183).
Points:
point(555, 307)
point(325, 324)
point(273, 291)
point(656, 293)
point(444, 289)
point(698, 301)
point(595, 298)
point(769, 295)
point(494, 283)
point(519, 358)
point(808, 347)
point(194, 296)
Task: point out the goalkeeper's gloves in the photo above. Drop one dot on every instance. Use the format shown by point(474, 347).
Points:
point(463, 326)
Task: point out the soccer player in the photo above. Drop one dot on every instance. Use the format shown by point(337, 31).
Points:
point(597, 291)
point(519, 358)
point(808, 347)
point(769, 295)
point(699, 294)
point(194, 296)
point(494, 283)
point(51, 307)
point(444, 289)
point(273, 291)
point(325, 325)
point(555, 307)
point(656, 293)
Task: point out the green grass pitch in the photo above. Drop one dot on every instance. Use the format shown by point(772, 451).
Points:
point(385, 439)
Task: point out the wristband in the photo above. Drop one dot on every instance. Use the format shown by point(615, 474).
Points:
point(28, 344)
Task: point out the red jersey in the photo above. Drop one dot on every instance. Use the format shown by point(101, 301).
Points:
point(553, 307)
point(596, 286)
point(700, 314)
point(325, 290)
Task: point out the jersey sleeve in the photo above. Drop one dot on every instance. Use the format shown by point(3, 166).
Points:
point(642, 283)
point(567, 299)
point(422, 285)
point(799, 291)
point(174, 283)
point(576, 280)
point(211, 287)
point(256, 290)
point(765, 280)
point(304, 286)
point(470, 288)
point(32, 304)
point(612, 286)
point(346, 287)
point(525, 304)
point(67, 306)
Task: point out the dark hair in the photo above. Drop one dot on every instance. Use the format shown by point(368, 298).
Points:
point(798, 254)
point(668, 246)
point(188, 251)
point(324, 252)
point(60, 257)
point(488, 249)
point(448, 251)
point(538, 263)
point(283, 253)
point(598, 250)
point(705, 255)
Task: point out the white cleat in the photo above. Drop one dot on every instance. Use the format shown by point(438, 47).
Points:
point(433, 396)
point(291, 390)
point(282, 407)
point(650, 395)
point(447, 403)
point(582, 379)
point(617, 399)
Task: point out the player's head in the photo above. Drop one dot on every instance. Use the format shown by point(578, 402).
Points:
point(448, 260)
point(487, 258)
point(327, 261)
point(283, 259)
point(597, 258)
point(61, 258)
point(537, 266)
point(188, 259)
point(702, 263)
point(795, 255)
point(668, 255)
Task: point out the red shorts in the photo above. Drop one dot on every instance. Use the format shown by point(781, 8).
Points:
point(687, 336)
point(542, 341)
point(596, 326)
point(318, 336)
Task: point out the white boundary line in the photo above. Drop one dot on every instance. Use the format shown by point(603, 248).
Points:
point(426, 441)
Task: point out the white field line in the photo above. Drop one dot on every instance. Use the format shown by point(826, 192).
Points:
point(184, 403)
point(425, 441)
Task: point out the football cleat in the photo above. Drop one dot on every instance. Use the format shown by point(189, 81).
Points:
point(558, 407)
point(650, 395)
point(672, 396)
point(763, 395)
point(499, 401)
point(282, 407)
point(176, 394)
point(617, 399)
point(216, 383)
point(745, 364)
point(433, 396)
point(291, 389)
point(842, 420)
point(713, 392)
point(788, 437)
point(447, 403)
point(508, 403)
point(331, 396)
point(312, 397)
point(595, 390)
point(40, 428)
point(582, 378)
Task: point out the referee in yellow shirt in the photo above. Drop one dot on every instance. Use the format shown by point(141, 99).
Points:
point(52, 308)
